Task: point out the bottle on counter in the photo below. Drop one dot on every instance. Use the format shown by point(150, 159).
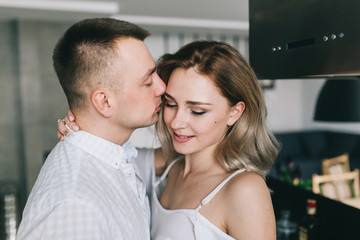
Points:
point(286, 227)
point(309, 226)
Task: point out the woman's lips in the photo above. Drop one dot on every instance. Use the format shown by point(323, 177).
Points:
point(182, 138)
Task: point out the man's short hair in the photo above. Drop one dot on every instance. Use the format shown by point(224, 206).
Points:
point(83, 56)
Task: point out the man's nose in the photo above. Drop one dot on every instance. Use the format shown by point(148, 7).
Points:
point(161, 87)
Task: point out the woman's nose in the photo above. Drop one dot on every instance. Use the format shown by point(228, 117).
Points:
point(179, 121)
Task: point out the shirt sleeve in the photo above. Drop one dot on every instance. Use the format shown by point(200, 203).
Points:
point(67, 220)
point(145, 163)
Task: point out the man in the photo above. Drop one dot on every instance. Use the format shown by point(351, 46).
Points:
point(89, 186)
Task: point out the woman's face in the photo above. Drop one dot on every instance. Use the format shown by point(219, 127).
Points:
point(195, 113)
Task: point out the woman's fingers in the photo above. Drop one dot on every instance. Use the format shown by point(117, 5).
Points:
point(70, 121)
point(70, 115)
point(60, 136)
point(62, 129)
point(73, 126)
point(67, 121)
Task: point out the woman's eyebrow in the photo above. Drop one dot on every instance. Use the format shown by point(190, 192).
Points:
point(192, 103)
point(168, 96)
point(197, 103)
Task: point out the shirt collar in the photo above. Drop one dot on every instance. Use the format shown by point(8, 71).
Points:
point(108, 152)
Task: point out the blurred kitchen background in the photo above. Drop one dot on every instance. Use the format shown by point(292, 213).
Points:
point(31, 99)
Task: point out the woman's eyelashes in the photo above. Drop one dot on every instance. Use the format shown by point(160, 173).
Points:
point(198, 113)
point(194, 112)
point(170, 105)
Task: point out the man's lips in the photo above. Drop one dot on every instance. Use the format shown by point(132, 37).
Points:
point(182, 138)
point(158, 108)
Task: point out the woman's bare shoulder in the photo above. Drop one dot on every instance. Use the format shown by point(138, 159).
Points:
point(248, 207)
point(246, 185)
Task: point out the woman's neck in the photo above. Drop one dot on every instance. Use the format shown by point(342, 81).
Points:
point(201, 162)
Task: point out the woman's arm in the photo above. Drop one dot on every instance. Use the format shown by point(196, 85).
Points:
point(160, 164)
point(249, 211)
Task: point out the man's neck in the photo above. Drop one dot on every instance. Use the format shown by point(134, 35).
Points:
point(104, 130)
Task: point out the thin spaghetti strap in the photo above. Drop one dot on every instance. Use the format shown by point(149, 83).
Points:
point(217, 189)
point(166, 171)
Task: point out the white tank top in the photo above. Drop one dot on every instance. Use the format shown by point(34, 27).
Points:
point(180, 224)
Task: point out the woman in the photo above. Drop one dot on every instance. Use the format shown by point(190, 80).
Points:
point(213, 125)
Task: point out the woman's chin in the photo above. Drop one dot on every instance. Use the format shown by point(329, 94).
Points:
point(181, 150)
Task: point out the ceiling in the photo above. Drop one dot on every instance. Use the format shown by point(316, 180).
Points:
point(157, 12)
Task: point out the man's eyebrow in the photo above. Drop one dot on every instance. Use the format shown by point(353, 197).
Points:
point(193, 103)
point(149, 73)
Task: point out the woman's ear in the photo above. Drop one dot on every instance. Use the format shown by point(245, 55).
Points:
point(100, 98)
point(235, 113)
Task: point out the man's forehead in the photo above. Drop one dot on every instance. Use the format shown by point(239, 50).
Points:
point(130, 44)
point(134, 59)
point(134, 50)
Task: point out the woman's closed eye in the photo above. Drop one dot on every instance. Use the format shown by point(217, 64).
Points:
point(194, 112)
point(198, 113)
point(170, 105)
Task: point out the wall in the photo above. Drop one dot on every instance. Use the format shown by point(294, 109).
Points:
point(283, 103)
point(291, 105)
point(31, 99)
point(310, 91)
point(10, 117)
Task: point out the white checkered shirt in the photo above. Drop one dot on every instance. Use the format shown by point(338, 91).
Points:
point(88, 188)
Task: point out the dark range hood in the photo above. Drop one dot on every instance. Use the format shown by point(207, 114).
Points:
point(304, 38)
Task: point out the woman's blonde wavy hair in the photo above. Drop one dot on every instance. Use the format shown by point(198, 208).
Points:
point(248, 143)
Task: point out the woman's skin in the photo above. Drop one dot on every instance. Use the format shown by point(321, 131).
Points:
point(197, 117)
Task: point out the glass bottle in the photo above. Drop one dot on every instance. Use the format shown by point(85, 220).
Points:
point(286, 227)
point(308, 226)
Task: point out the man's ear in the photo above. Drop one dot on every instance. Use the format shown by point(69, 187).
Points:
point(236, 112)
point(100, 98)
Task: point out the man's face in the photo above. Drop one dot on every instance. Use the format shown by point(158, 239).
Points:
point(139, 99)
